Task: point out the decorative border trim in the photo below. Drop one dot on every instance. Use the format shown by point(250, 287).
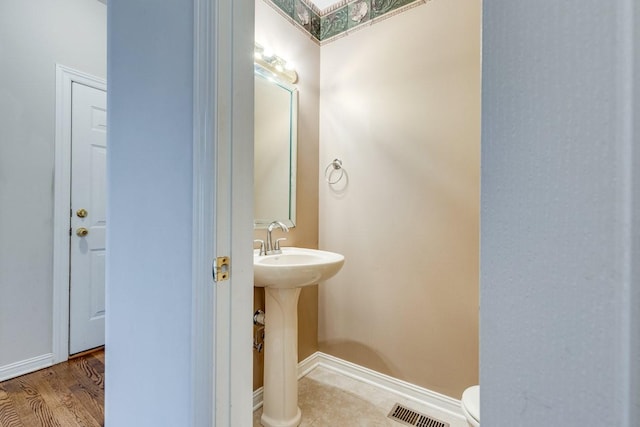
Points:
point(373, 21)
point(26, 366)
point(310, 26)
point(339, 19)
point(407, 390)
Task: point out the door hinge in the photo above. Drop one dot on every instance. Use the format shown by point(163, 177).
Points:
point(221, 269)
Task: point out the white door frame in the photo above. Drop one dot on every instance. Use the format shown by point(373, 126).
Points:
point(222, 357)
point(65, 77)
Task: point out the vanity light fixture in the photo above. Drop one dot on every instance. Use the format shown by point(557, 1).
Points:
point(277, 66)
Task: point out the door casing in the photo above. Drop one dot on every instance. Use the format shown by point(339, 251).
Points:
point(222, 357)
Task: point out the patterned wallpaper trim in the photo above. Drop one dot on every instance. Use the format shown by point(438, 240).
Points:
point(340, 19)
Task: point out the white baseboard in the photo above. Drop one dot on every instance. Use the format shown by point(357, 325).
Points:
point(258, 398)
point(25, 366)
point(402, 388)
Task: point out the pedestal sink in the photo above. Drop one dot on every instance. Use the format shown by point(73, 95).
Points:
point(283, 276)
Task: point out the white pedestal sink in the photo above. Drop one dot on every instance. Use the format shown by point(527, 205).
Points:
point(283, 276)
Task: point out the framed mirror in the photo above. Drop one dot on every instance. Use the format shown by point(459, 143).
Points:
point(275, 150)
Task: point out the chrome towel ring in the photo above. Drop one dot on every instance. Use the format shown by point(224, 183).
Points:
point(335, 167)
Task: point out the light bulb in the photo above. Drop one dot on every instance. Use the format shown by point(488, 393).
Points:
point(267, 52)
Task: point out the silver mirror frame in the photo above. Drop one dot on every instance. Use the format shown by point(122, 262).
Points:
point(261, 72)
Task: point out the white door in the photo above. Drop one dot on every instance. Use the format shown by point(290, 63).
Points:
point(88, 220)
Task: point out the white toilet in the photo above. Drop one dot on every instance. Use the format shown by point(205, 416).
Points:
point(471, 405)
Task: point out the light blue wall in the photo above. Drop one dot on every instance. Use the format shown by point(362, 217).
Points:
point(73, 34)
point(150, 75)
point(559, 254)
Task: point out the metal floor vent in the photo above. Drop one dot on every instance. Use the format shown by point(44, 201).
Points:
point(412, 418)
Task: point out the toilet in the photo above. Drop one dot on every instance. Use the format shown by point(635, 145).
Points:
point(471, 405)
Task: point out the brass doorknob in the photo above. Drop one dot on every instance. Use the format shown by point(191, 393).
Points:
point(81, 213)
point(81, 232)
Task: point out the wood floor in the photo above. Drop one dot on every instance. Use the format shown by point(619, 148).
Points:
point(69, 394)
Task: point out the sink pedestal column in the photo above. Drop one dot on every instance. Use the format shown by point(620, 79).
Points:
point(280, 407)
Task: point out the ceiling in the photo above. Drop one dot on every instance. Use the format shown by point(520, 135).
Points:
point(323, 4)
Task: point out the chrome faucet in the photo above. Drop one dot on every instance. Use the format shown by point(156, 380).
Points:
point(271, 248)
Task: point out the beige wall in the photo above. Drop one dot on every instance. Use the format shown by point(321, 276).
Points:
point(292, 44)
point(400, 106)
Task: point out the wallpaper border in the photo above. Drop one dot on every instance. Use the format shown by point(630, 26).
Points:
point(340, 19)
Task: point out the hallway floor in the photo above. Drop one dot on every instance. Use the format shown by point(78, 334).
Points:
point(70, 394)
point(328, 399)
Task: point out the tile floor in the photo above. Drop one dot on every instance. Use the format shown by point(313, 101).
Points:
point(328, 399)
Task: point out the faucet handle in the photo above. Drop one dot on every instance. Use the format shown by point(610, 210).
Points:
point(262, 247)
point(277, 247)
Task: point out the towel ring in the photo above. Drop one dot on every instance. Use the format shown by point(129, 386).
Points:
point(335, 165)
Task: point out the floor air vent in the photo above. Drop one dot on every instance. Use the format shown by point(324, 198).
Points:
point(412, 418)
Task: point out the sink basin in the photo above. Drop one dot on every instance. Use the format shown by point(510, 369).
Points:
point(295, 267)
